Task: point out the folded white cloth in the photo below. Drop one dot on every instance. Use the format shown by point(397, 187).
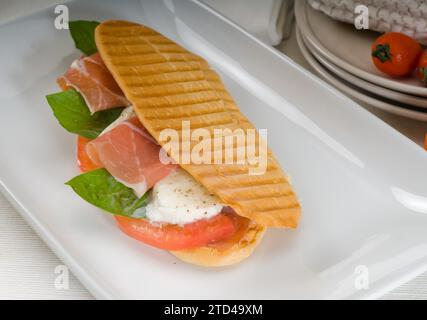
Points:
point(268, 20)
point(406, 16)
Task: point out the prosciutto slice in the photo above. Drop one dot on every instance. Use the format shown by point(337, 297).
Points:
point(130, 154)
point(93, 80)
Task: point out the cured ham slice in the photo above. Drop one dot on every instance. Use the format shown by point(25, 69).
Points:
point(131, 155)
point(91, 78)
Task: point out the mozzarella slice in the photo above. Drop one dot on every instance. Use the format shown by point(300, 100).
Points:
point(179, 199)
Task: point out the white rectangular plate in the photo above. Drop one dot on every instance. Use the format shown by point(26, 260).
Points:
point(363, 186)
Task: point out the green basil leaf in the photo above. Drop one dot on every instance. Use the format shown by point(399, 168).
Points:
point(73, 114)
point(99, 188)
point(83, 34)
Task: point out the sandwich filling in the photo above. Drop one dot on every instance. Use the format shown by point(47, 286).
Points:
point(122, 173)
point(175, 196)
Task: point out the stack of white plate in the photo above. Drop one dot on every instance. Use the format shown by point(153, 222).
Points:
point(342, 56)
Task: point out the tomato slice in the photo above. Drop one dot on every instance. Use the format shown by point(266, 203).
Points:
point(174, 237)
point(83, 160)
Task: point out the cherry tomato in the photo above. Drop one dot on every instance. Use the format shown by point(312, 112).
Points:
point(173, 237)
point(422, 68)
point(83, 160)
point(396, 54)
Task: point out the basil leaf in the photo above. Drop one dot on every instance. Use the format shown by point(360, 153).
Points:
point(99, 188)
point(73, 114)
point(83, 34)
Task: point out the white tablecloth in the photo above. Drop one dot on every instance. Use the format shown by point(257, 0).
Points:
point(27, 265)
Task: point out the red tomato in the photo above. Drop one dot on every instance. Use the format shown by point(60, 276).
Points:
point(396, 54)
point(422, 68)
point(83, 160)
point(174, 237)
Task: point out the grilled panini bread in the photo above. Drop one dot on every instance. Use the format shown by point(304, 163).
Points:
point(167, 85)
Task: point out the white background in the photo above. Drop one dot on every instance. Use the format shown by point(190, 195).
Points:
point(27, 265)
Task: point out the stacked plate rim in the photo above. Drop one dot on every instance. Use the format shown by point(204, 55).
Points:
point(360, 81)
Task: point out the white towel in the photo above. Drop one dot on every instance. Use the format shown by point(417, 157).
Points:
point(406, 16)
point(268, 20)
